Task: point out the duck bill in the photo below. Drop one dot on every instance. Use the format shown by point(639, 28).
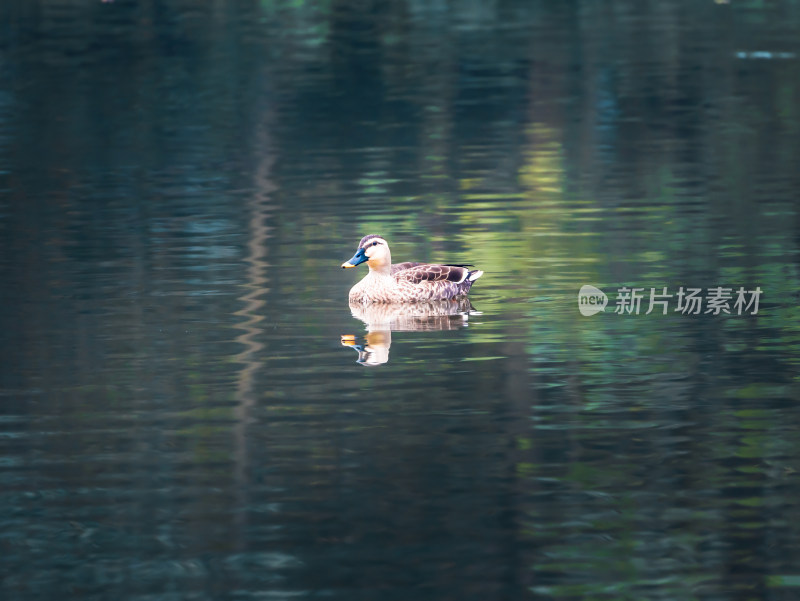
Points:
point(358, 258)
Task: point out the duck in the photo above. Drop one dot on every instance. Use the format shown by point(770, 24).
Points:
point(405, 282)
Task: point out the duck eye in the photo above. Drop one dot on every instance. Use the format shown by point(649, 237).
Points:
point(375, 243)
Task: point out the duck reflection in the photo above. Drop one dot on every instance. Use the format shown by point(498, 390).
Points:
point(382, 319)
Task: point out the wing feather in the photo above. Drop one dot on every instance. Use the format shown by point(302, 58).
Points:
point(403, 266)
point(433, 273)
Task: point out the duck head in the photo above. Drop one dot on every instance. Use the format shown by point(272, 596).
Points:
point(372, 250)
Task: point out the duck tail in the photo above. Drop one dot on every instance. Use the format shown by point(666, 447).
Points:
point(474, 275)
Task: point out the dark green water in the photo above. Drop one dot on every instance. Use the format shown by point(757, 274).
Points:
point(179, 183)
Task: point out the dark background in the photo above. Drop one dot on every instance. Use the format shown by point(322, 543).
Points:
point(179, 182)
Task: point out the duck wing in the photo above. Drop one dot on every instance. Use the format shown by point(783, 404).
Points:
point(429, 272)
point(403, 266)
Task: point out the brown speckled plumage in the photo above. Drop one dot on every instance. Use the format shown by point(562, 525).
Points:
point(405, 282)
point(401, 266)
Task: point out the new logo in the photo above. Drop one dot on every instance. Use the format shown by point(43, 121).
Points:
point(591, 300)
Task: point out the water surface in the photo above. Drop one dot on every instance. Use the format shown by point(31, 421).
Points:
point(179, 416)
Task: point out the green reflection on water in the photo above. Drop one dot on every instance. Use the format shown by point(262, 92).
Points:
point(174, 307)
